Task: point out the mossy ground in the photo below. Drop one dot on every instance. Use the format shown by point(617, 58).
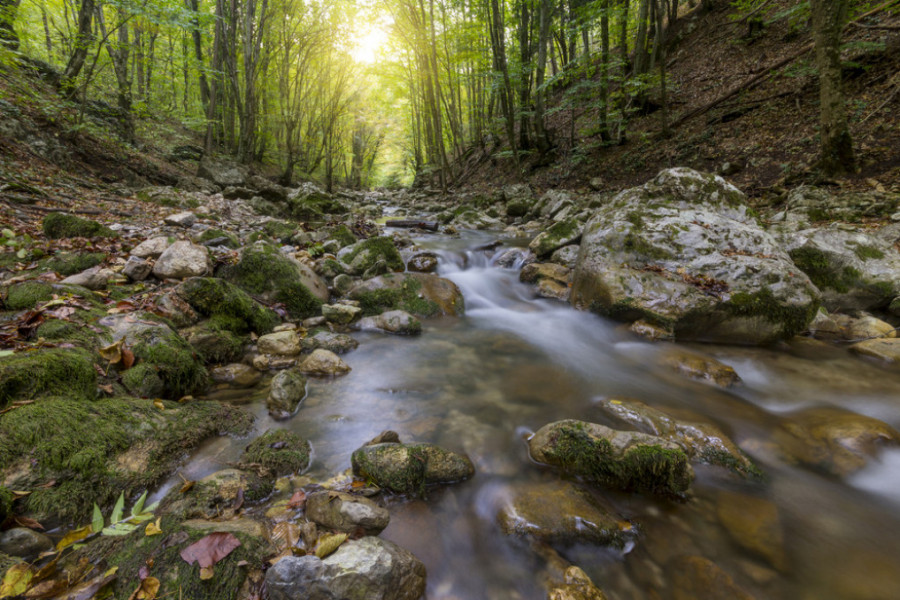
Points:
point(61, 225)
point(280, 231)
point(6, 500)
point(90, 451)
point(375, 249)
point(264, 270)
point(231, 308)
point(644, 467)
point(163, 353)
point(79, 330)
point(25, 295)
point(405, 297)
point(29, 375)
point(343, 235)
point(279, 451)
point(69, 263)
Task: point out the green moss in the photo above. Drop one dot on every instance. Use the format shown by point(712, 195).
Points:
point(6, 501)
point(374, 249)
point(215, 343)
point(644, 467)
point(282, 231)
point(627, 310)
point(6, 561)
point(644, 249)
point(212, 234)
point(381, 465)
point(634, 217)
point(405, 297)
point(163, 352)
point(29, 375)
point(279, 451)
point(62, 225)
point(343, 235)
point(822, 272)
point(98, 449)
point(69, 263)
point(79, 330)
point(763, 304)
point(25, 295)
point(865, 252)
point(143, 380)
point(264, 270)
point(746, 467)
point(232, 308)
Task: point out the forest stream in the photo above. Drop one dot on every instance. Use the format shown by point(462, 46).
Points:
point(483, 382)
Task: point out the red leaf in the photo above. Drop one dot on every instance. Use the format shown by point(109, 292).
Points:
point(298, 500)
point(211, 549)
point(127, 358)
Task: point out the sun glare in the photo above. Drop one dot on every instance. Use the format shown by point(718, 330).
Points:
point(369, 45)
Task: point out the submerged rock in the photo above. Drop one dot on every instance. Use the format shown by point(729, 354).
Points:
point(682, 252)
point(393, 321)
point(366, 569)
point(346, 512)
point(236, 374)
point(625, 460)
point(884, 349)
point(693, 577)
point(697, 366)
point(408, 468)
point(753, 523)
point(287, 391)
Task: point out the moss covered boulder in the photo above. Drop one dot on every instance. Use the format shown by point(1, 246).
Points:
point(420, 294)
point(62, 225)
point(57, 371)
point(227, 306)
point(27, 294)
point(683, 252)
point(364, 255)
point(69, 263)
point(266, 273)
point(70, 453)
point(213, 343)
point(279, 452)
point(408, 468)
point(623, 460)
point(567, 231)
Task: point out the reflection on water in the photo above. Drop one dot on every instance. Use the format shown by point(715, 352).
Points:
point(514, 363)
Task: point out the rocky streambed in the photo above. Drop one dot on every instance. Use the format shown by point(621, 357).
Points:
point(381, 413)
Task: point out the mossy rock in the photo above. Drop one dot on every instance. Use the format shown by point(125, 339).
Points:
point(215, 344)
point(263, 271)
point(69, 263)
point(92, 451)
point(278, 451)
point(167, 366)
point(214, 234)
point(178, 579)
point(80, 329)
point(409, 468)
point(280, 231)
point(420, 294)
point(363, 255)
point(231, 308)
point(628, 461)
point(57, 371)
point(62, 225)
point(343, 235)
point(25, 295)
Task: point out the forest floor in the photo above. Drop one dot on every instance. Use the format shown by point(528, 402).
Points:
point(767, 132)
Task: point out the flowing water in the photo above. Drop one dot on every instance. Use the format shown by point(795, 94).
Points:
point(482, 382)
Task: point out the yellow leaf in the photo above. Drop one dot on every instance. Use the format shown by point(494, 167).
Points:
point(184, 399)
point(158, 404)
point(153, 528)
point(111, 571)
point(112, 353)
point(329, 543)
point(74, 536)
point(206, 573)
point(147, 590)
point(16, 580)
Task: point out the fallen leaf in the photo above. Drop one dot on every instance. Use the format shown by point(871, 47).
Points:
point(127, 358)
point(298, 500)
point(16, 580)
point(329, 543)
point(153, 529)
point(89, 589)
point(159, 404)
point(209, 550)
point(76, 535)
point(184, 399)
point(112, 353)
point(28, 522)
point(285, 535)
point(48, 589)
point(187, 485)
point(206, 573)
point(147, 590)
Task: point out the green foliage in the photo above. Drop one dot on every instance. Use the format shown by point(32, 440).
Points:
point(19, 244)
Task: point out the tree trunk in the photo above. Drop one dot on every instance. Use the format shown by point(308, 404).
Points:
point(83, 39)
point(8, 37)
point(828, 17)
point(194, 6)
point(542, 137)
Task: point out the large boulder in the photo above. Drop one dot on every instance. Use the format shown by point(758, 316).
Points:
point(852, 269)
point(420, 294)
point(366, 569)
point(182, 260)
point(682, 251)
point(221, 172)
point(624, 460)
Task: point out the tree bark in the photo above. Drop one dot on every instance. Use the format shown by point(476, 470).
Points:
point(83, 39)
point(8, 37)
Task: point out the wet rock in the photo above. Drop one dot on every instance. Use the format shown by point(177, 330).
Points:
point(346, 512)
point(366, 569)
point(566, 256)
point(281, 343)
point(182, 219)
point(552, 280)
point(682, 251)
point(287, 391)
point(182, 260)
point(423, 262)
point(558, 235)
point(512, 257)
point(754, 524)
point(561, 512)
point(394, 321)
point(619, 459)
point(650, 331)
point(420, 294)
point(95, 278)
point(151, 248)
point(236, 374)
point(698, 578)
point(324, 363)
point(24, 542)
point(385, 437)
point(266, 362)
point(340, 314)
point(137, 269)
point(697, 366)
point(339, 343)
point(884, 349)
point(363, 256)
point(701, 441)
point(863, 326)
point(832, 440)
point(408, 468)
point(576, 585)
